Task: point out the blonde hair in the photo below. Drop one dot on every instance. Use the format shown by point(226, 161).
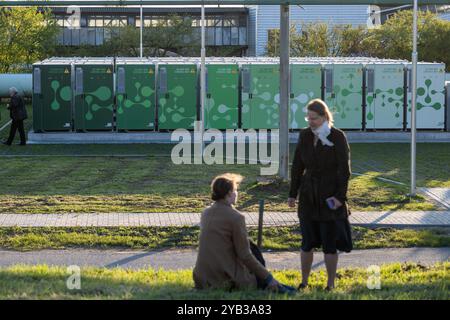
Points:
point(223, 184)
point(320, 107)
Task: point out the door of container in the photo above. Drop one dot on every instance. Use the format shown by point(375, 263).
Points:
point(135, 97)
point(177, 96)
point(93, 97)
point(52, 96)
point(260, 96)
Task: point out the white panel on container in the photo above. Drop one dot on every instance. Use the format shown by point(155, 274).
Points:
point(121, 80)
point(37, 81)
point(329, 80)
point(163, 80)
point(245, 80)
point(370, 80)
point(79, 81)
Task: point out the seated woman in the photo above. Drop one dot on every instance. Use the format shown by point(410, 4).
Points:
point(225, 258)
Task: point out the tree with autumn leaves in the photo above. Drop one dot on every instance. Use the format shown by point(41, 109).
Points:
point(391, 40)
point(26, 36)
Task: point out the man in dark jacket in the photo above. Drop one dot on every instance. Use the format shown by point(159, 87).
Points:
point(18, 114)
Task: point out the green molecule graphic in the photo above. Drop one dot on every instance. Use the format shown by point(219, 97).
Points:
point(146, 91)
point(178, 91)
point(65, 93)
point(55, 104)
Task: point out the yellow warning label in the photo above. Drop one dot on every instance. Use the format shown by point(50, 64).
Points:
point(66, 71)
point(108, 71)
point(150, 71)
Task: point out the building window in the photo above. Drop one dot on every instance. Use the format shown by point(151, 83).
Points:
point(242, 21)
point(230, 22)
point(83, 36)
point(234, 36)
point(95, 29)
point(196, 23)
point(107, 34)
point(209, 37)
point(152, 21)
point(83, 22)
point(226, 36)
point(75, 37)
point(99, 36)
point(242, 36)
point(218, 41)
point(60, 22)
point(67, 37)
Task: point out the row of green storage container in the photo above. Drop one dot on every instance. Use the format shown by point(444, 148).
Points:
point(144, 94)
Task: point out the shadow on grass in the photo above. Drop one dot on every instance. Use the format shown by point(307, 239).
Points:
point(274, 191)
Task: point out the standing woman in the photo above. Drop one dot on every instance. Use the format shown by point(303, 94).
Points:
point(320, 174)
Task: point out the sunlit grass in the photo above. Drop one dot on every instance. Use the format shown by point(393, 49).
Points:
point(397, 281)
point(149, 238)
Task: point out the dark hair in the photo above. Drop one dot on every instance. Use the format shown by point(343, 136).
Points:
point(320, 107)
point(224, 184)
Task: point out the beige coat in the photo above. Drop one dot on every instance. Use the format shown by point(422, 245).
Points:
point(224, 256)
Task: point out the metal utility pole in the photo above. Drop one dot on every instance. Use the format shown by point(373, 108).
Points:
point(284, 93)
point(413, 102)
point(202, 81)
point(141, 31)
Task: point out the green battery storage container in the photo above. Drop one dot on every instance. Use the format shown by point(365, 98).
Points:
point(52, 95)
point(222, 96)
point(260, 96)
point(430, 111)
point(384, 96)
point(343, 94)
point(306, 84)
point(177, 95)
point(135, 94)
point(94, 94)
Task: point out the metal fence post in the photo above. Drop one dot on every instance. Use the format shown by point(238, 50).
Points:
point(260, 222)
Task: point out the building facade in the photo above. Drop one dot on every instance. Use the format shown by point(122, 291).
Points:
point(246, 28)
point(224, 26)
point(262, 19)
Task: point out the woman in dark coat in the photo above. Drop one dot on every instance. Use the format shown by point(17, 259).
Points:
point(319, 176)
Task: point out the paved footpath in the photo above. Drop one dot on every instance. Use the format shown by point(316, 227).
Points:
point(370, 219)
point(441, 195)
point(174, 259)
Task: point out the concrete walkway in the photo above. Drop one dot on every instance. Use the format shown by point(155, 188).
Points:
point(441, 195)
point(165, 137)
point(370, 219)
point(174, 259)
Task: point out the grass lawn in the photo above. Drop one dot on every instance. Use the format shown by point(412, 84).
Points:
point(150, 238)
point(58, 184)
point(142, 178)
point(398, 281)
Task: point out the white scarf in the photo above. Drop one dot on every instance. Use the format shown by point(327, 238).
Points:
point(322, 133)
